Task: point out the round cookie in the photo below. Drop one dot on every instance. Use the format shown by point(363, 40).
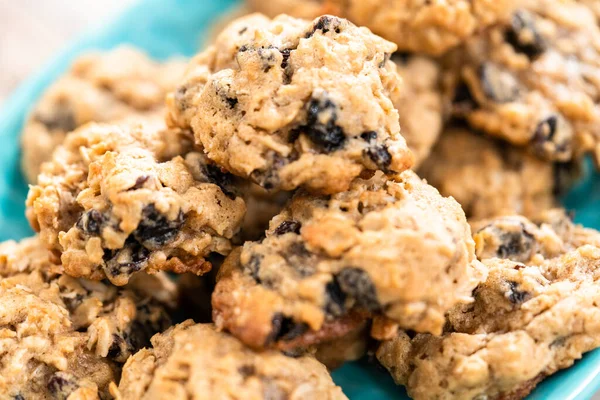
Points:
point(65, 337)
point(385, 247)
point(99, 87)
point(419, 103)
point(527, 322)
point(533, 81)
point(489, 178)
point(290, 103)
point(535, 314)
point(196, 361)
point(430, 27)
point(118, 199)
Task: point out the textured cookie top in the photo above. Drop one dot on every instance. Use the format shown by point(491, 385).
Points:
point(430, 27)
point(529, 319)
point(396, 248)
point(534, 81)
point(291, 103)
point(118, 199)
point(195, 361)
point(490, 178)
point(98, 87)
point(68, 337)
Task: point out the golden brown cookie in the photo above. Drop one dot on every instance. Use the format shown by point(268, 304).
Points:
point(429, 27)
point(534, 315)
point(99, 87)
point(290, 103)
point(119, 199)
point(533, 81)
point(65, 337)
point(489, 177)
point(392, 247)
point(196, 361)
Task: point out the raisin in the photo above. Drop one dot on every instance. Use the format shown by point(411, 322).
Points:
point(552, 138)
point(285, 328)
point(327, 136)
point(223, 179)
point(287, 227)
point(285, 53)
point(380, 155)
point(516, 296)
point(91, 222)
point(61, 385)
point(131, 258)
point(253, 267)
point(62, 119)
point(155, 230)
point(524, 37)
point(325, 24)
point(335, 298)
point(368, 136)
point(516, 246)
point(357, 284)
point(118, 347)
point(247, 370)
point(231, 102)
point(269, 178)
point(497, 84)
point(140, 182)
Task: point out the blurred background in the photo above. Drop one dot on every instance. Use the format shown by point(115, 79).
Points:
point(32, 31)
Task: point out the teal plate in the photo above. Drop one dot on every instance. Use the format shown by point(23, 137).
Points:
point(165, 28)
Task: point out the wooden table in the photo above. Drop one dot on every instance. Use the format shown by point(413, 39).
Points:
point(32, 31)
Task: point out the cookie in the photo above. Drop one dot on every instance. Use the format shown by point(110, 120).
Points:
point(385, 247)
point(65, 337)
point(533, 81)
point(489, 177)
point(119, 199)
point(196, 361)
point(98, 87)
point(592, 5)
point(308, 9)
point(419, 103)
point(430, 27)
point(529, 320)
point(290, 103)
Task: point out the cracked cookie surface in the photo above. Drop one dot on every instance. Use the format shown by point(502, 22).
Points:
point(208, 364)
point(533, 81)
point(329, 262)
point(63, 337)
point(290, 103)
point(489, 177)
point(99, 87)
point(534, 315)
point(119, 199)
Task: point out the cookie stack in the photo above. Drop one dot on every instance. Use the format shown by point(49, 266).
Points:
point(267, 222)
